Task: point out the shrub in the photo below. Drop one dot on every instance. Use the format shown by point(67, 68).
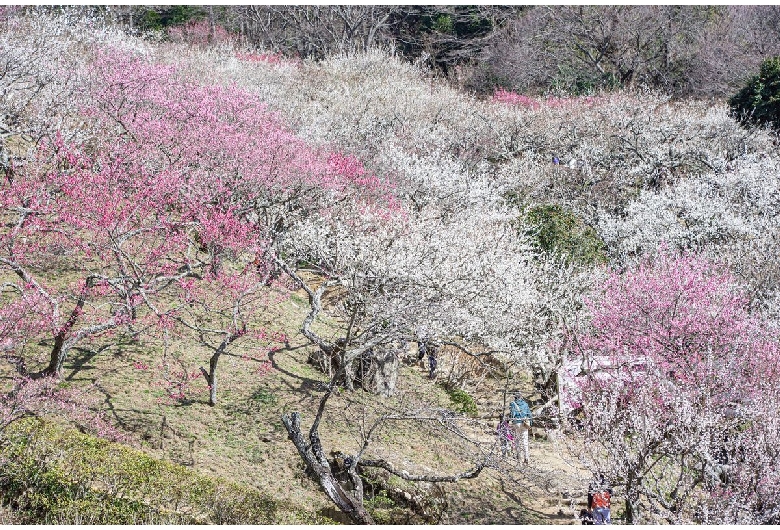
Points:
point(55, 475)
point(758, 103)
point(463, 402)
point(264, 397)
point(557, 230)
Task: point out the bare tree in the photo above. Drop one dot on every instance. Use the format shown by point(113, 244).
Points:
point(685, 50)
point(315, 31)
point(342, 478)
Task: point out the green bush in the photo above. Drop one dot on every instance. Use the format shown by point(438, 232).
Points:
point(161, 17)
point(463, 402)
point(554, 229)
point(264, 397)
point(53, 475)
point(758, 103)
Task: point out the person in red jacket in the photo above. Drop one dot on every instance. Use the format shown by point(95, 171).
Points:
point(600, 500)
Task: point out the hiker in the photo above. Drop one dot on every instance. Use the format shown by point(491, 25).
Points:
point(432, 360)
point(600, 500)
point(520, 416)
point(505, 436)
point(422, 342)
point(422, 349)
point(586, 516)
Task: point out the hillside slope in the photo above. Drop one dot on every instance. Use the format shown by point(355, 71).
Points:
point(198, 240)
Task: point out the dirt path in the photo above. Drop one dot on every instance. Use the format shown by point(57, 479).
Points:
point(550, 490)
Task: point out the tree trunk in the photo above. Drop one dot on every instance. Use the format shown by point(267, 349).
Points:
point(385, 371)
point(314, 456)
point(56, 358)
point(60, 348)
point(215, 254)
point(349, 374)
point(564, 419)
point(211, 377)
point(211, 374)
point(632, 509)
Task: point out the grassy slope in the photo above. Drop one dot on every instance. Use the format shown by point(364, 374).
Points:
point(242, 438)
point(53, 474)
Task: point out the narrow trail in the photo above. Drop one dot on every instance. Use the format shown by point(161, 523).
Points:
point(551, 489)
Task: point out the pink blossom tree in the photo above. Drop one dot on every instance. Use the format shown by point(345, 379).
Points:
point(27, 397)
point(678, 373)
point(176, 187)
point(218, 313)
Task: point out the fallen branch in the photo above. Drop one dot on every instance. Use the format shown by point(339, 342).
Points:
point(387, 466)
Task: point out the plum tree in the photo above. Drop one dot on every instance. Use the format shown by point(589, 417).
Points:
point(678, 377)
point(178, 185)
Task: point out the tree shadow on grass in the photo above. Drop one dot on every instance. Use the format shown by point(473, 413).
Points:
point(535, 516)
point(79, 359)
point(307, 385)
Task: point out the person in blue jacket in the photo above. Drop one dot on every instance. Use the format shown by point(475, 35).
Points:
point(520, 417)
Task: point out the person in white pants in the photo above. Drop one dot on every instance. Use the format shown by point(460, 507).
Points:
point(521, 436)
point(520, 417)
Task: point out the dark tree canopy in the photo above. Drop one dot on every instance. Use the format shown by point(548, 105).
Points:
point(758, 103)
